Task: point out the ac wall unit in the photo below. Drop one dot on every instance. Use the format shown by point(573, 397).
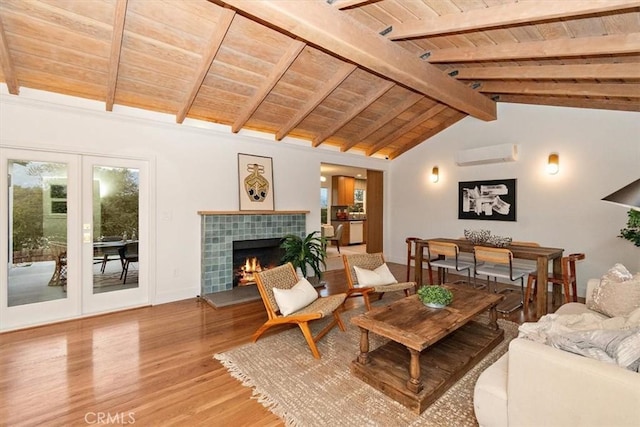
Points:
point(492, 154)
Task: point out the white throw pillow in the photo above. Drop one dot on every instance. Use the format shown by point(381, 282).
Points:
point(299, 296)
point(617, 294)
point(378, 277)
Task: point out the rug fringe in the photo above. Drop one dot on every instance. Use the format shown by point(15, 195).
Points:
point(263, 397)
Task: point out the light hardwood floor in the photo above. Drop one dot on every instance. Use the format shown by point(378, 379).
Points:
point(151, 365)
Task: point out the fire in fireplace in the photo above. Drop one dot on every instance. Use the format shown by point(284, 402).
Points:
point(252, 256)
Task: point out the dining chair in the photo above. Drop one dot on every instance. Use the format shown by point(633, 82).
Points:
point(128, 254)
point(567, 279)
point(284, 278)
point(369, 263)
point(411, 256)
point(446, 258)
point(337, 236)
point(498, 263)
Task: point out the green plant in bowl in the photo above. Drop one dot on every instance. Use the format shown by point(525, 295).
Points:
point(435, 296)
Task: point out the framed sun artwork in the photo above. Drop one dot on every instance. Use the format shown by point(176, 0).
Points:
point(255, 181)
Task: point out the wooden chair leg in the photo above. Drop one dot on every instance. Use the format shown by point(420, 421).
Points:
point(260, 331)
point(336, 316)
point(567, 293)
point(304, 327)
point(527, 294)
point(367, 303)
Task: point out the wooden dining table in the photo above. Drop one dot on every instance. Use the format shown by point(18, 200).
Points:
point(542, 255)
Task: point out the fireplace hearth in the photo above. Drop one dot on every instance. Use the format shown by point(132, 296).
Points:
point(252, 256)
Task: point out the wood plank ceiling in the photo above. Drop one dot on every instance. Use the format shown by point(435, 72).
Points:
point(377, 77)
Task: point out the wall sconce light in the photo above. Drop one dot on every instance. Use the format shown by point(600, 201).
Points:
point(323, 178)
point(553, 164)
point(435, 174)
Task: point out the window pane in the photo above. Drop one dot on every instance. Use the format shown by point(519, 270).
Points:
point(37, 231)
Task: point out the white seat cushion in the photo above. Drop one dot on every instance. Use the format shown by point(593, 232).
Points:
point(450, 263)
point(500, 271)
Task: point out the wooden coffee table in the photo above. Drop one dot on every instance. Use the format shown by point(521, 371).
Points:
point(443, 344)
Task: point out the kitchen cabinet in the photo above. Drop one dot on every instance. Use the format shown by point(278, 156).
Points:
point(342, 188)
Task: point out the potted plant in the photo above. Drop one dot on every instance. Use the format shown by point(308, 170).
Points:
point(302, 252)
point(435, 296)
point(632, 231)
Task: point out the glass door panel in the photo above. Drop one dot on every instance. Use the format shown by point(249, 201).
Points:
point(116, 192)
point(39, 260)
point(114, 233)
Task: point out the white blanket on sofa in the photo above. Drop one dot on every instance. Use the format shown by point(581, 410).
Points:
point(609, 339)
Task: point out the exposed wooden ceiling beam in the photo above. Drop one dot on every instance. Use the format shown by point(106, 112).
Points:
point(114, 56)
point(398, 109)
point(558, 48)
point(617, 90)
point(218, 35)
point(431, 112)
point(556, 72)
point(563, 101)
point(322, 25)
point(355, 109)
point(315, 100)
point(525, 11)
point(8, 69)
point(274, 77)
point(343, 4)
point(439, 128)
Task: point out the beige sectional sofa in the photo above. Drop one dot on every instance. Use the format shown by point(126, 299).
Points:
point(534, 384)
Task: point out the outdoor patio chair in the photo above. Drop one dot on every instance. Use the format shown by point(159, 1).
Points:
point(59, 254)
point(369, 263)
point(129, 254)
point(284, 278)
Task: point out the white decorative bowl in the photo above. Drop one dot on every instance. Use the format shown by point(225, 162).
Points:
point(434, 305)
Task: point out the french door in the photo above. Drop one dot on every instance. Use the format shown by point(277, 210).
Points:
point(74, 233)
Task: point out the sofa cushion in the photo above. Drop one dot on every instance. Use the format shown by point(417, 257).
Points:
point(618, 293)
point(621, 347)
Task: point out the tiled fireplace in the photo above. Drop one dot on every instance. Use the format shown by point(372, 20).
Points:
point(220, 229)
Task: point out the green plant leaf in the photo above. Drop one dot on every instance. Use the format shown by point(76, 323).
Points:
point(308, 251)
point(632, 231)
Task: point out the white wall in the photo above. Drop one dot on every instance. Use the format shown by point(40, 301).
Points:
point(195, 168)
point(599, 153)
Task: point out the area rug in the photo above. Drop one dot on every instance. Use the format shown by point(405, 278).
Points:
point(306, 392)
